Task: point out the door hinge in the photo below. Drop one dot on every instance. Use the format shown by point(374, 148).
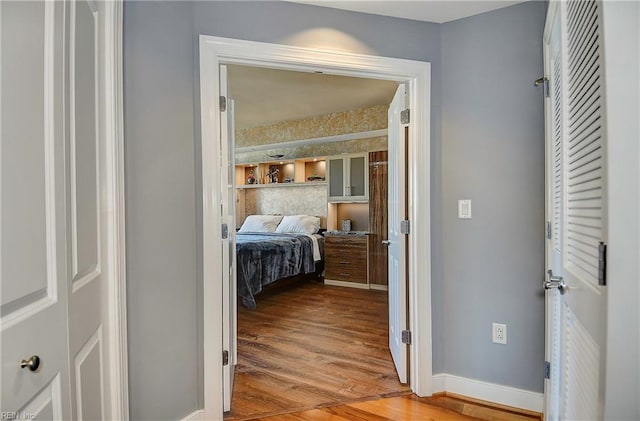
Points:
point(406, 337)
point(223, 103)
point(602, 264)
point(547, 370)
point(547, 229)
point(544, 81)
point(225, 357)
point(547, 89)
point(405, 116)
point(225, 231)
point(405, 227)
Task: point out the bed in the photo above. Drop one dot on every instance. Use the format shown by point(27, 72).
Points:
point(270, 248)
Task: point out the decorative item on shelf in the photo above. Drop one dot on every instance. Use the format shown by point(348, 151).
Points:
point(315, 178)
point(251, 178)
point(273, 173)
point(288, 180)
point(346, 224)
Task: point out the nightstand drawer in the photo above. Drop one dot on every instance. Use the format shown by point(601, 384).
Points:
point(338, 252)
point(345, 261)
point(347, 273)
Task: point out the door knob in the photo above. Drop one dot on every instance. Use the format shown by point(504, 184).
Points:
point(386, 242)
point(33, 363)
point(555, 282)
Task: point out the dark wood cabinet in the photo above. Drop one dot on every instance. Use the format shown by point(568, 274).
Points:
point(378, 215)
point(345, 258)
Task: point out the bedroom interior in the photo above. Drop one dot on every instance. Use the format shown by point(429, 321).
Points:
point(318, 167)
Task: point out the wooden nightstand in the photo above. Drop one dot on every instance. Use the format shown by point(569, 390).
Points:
point(346, 260)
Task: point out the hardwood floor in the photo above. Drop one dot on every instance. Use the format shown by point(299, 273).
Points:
point(317, 352)
point(311, 345)
point(408, 407)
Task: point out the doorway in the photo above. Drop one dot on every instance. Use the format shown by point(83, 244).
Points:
point(293, 133)
point(215, 51)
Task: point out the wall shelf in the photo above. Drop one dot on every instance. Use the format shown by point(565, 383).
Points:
point(276, 185)
point(306, 171)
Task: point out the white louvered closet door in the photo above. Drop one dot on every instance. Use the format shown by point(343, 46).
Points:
point(576, 144)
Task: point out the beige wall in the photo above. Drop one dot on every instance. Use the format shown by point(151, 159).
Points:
point(360, 120)
point(287, 200)
point(354, 121)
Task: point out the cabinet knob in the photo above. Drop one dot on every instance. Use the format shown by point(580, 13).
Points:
point(386, 242)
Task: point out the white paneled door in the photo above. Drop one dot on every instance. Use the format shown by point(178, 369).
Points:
point(54, 211)
point(576, 213)
point(397, 241)
point(34, 250)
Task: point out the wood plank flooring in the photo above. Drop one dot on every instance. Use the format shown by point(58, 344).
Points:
point(407, 407)
point(310, 345)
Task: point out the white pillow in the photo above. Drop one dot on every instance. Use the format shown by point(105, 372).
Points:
point(260, 223)
point(301, 224)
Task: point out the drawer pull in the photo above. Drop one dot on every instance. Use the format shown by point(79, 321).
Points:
point(344, 263)
point(345, 274)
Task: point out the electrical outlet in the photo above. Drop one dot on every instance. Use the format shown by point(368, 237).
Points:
point(499, 333)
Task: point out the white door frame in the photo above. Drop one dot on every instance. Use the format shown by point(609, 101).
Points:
point(215, 51)
point(116, 311)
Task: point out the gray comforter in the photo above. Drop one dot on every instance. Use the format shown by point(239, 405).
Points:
point(263, 258)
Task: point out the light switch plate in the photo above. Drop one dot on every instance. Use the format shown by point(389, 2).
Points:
point(464, 209)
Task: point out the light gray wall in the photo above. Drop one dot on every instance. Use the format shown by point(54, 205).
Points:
point(160, 210)
point(493, 154)
point(499, 123)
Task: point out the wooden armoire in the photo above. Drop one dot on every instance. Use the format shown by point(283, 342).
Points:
point(378, 196)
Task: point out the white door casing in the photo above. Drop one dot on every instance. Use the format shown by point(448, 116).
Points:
point(397, 241)
point(215, 51)
point(229, 289)
point(62, 191)
point(576, 210)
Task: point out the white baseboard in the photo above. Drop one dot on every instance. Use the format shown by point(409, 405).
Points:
point(439, 383)
point(195, 416)
point(491, 392)
point(346, 284)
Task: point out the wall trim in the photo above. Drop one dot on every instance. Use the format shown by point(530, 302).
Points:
point(314, 141)
point(195, 416)
point(215, 51)
point(490, 392)
point(116, 345)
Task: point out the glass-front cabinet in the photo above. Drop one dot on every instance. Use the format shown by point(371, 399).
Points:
point(347, 178)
